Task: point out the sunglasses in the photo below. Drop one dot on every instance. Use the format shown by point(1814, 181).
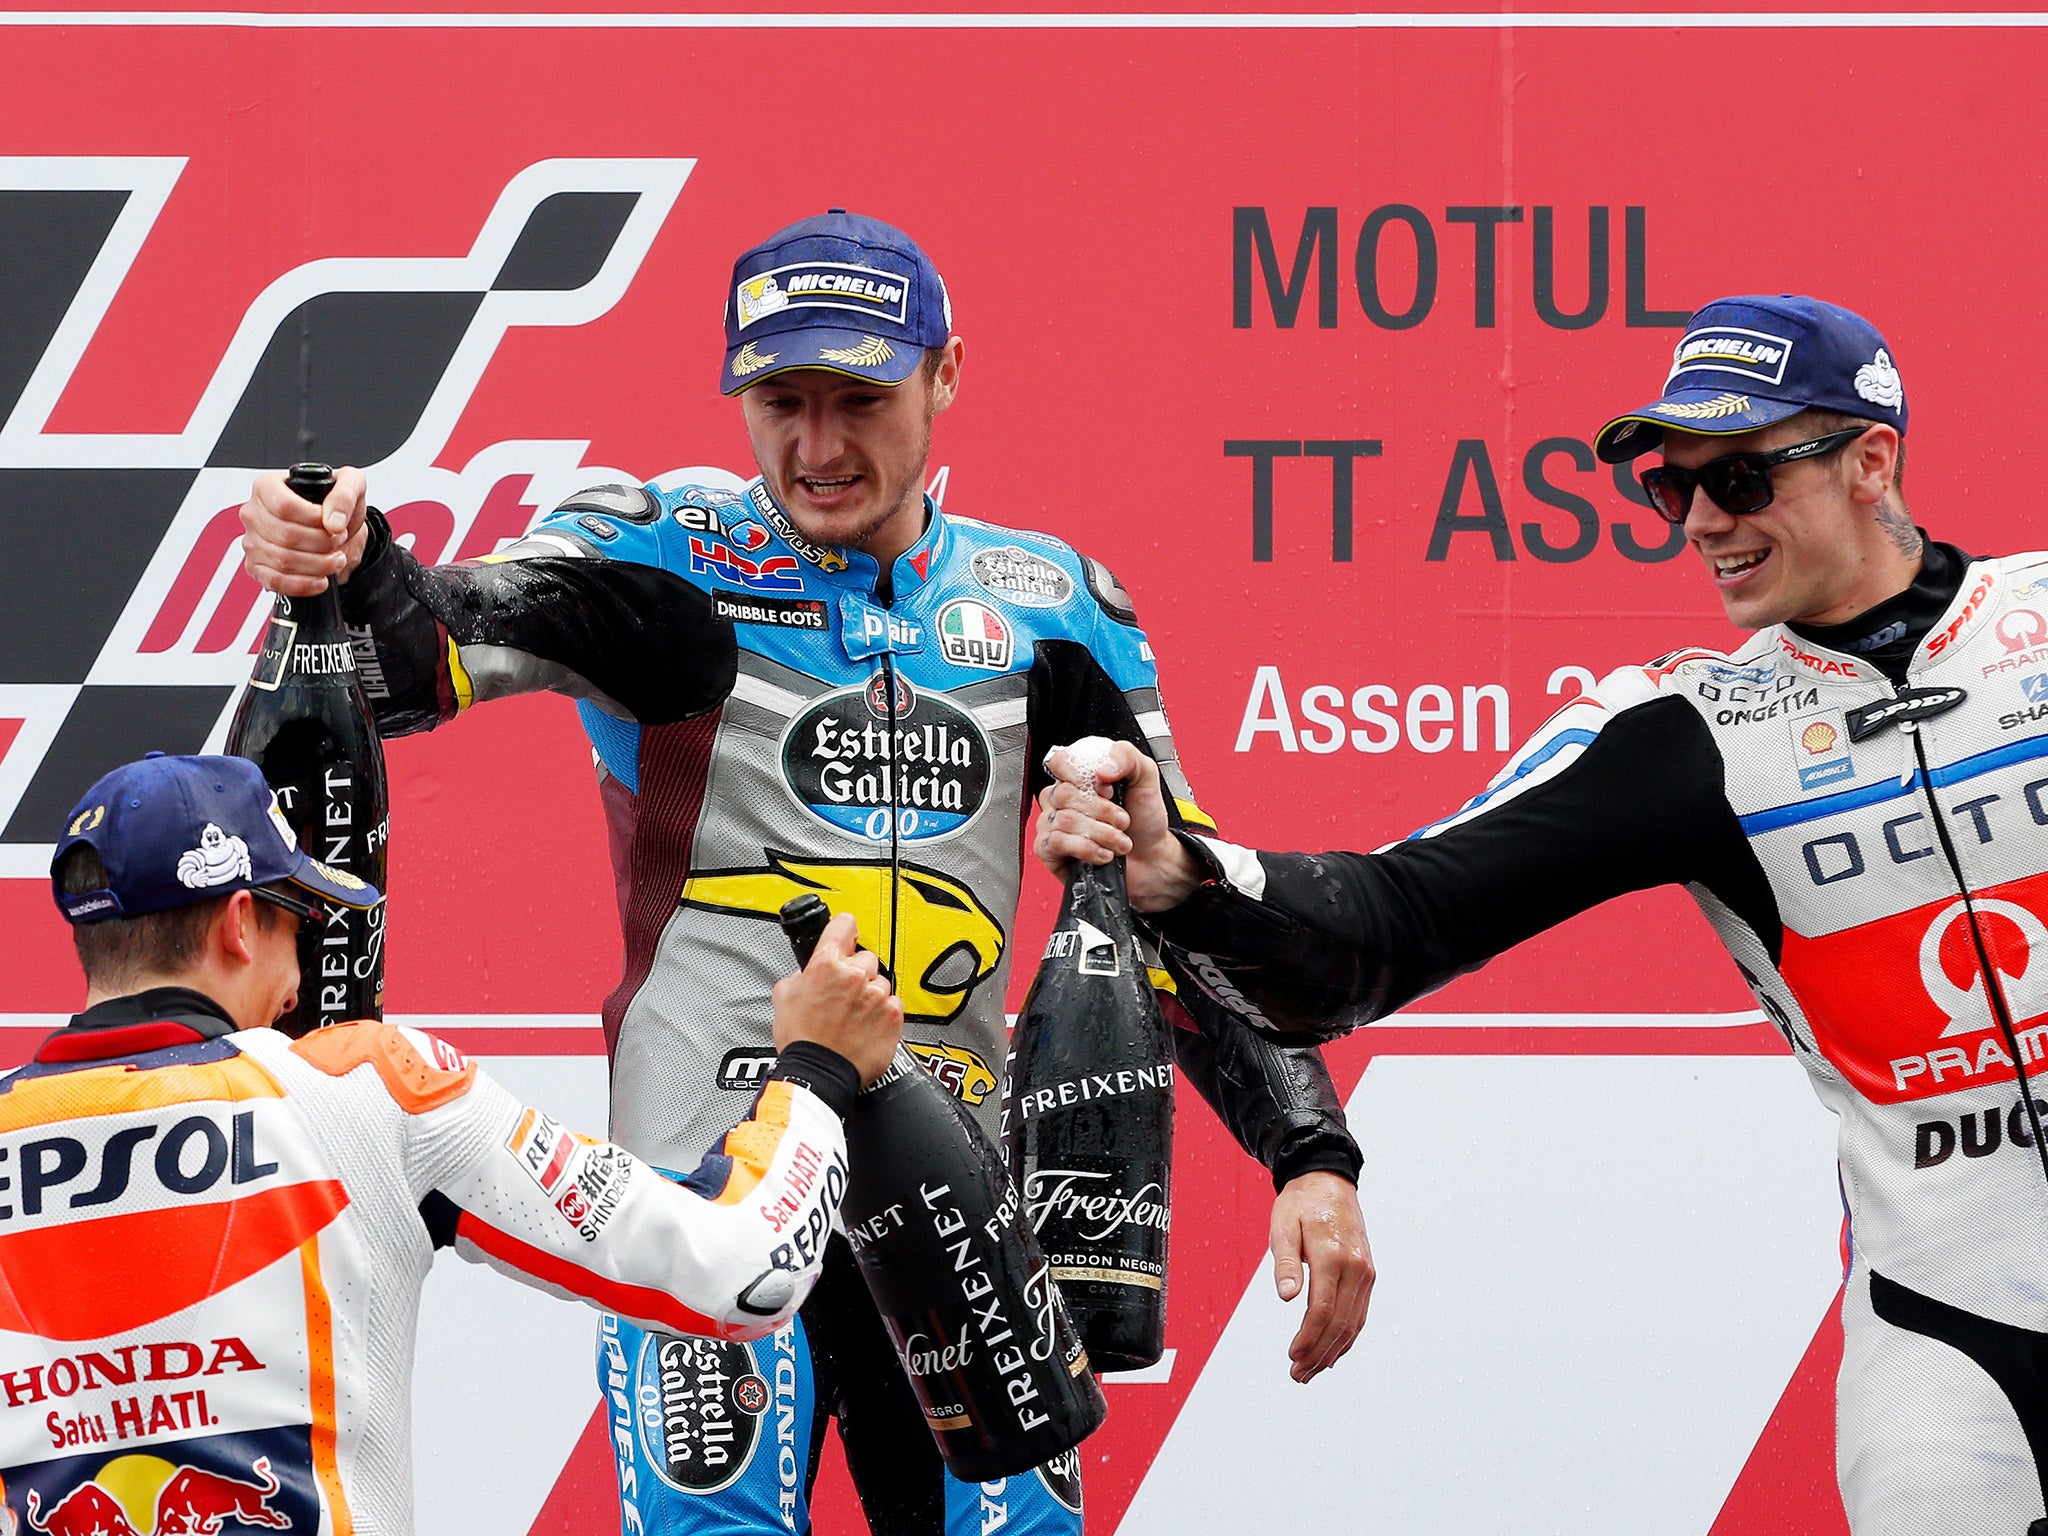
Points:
point(303, 910)
point(1737, 483)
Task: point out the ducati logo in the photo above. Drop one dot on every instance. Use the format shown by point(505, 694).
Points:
point(135, 628)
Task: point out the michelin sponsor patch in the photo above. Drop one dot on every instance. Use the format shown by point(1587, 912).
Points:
point(1731, 349)
point(822, 285)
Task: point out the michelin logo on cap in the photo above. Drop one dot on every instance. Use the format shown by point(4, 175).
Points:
point(1753, 354)
point(1878, 382)
point(823, 285)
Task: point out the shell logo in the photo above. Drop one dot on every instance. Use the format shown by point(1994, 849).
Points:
point(1818, 738)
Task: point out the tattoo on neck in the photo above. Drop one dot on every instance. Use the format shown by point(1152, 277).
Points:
point(1898, 528)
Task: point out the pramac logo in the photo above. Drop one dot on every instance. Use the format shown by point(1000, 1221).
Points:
point(947, 941)
point(1904, 1007)
point(1949, 950)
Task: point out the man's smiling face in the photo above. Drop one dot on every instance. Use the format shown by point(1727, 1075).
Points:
point(1809, 556)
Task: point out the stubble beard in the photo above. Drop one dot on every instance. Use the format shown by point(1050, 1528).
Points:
point(911, 491)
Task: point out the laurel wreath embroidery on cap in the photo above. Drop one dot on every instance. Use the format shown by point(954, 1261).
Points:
point(871, 351)
point(750, 361)
point(1703, 410)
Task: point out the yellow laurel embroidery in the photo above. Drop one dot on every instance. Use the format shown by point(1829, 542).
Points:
point(871, 352)
point(750, 361)
point(1705, 410)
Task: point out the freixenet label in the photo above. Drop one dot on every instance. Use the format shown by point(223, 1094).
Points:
point(1095, 1085)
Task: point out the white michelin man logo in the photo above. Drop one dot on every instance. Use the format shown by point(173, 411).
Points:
point(218, 859)
point(760, 297)
point(1878, 382)
point(1967, 1008)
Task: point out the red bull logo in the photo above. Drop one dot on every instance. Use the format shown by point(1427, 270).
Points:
point(148, 1496)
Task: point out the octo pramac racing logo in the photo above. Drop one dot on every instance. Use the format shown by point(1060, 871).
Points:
point(1952, 972)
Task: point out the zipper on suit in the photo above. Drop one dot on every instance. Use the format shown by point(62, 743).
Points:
point(1994, 990)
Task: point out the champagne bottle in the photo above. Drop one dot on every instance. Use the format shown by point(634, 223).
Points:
point(1088, 1121)
point(304, 720)
point(961, 1285)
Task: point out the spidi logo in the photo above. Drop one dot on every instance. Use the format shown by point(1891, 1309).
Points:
point(126, 622)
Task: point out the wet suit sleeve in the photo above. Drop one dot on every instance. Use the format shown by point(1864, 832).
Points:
point(1276, 1100)
point(582, 605)
point(729, 1252)
point(1620, 791)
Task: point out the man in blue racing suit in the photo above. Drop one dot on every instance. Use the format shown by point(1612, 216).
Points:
point(816, 682)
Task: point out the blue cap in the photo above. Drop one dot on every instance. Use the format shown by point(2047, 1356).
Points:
point(175, 830)
point(840, 292)
point(1746, 362)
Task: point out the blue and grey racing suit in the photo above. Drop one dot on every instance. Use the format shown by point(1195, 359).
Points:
point(771, 717)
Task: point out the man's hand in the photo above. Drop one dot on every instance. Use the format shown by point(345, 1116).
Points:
point(1317, 1224)
point(293, 547)
point(1074, 822)
point(840, 1001)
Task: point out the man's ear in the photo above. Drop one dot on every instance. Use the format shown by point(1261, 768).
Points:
point(1871, 462)
point(233, 930)
point(946, 382)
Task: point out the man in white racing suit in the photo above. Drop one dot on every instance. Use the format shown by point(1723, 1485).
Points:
point(1856, 798)
point(213, 1237)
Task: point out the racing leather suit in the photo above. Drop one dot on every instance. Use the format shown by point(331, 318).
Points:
point(212, 1245)
point(1871, 851)
point(771, 717)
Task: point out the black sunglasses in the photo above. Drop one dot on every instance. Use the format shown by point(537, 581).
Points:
point(304, 910)
point(1738, 483)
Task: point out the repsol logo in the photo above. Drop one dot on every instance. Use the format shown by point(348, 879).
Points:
point(190, 1157)
point(1977, 1134)
point(1906, 839)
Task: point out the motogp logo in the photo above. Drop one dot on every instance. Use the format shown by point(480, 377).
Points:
point(134, 630)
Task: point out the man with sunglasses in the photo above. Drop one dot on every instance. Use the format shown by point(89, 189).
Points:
point(1856, 797)
point(213, 1237)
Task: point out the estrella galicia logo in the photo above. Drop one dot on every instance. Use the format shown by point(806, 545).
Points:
point(845, 765)
point(134, 630)
point(701, 1402)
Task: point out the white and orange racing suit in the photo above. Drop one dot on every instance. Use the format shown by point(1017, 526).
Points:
point(1865, 824)
point(212, 1245)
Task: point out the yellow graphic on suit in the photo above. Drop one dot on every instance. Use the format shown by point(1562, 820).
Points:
point(947, 941)
point(962, 1073)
